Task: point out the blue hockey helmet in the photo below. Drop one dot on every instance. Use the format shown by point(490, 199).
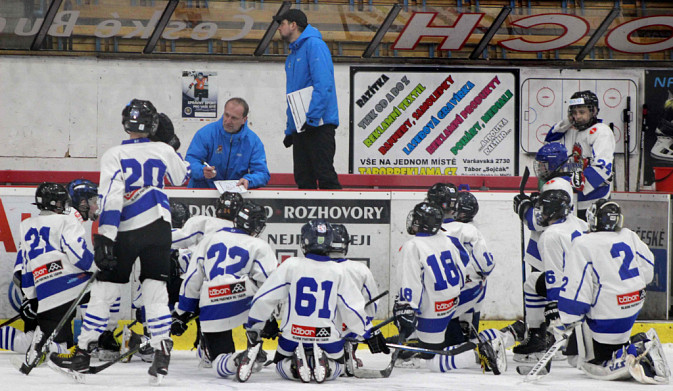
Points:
point(550, 159)
point(83, 193)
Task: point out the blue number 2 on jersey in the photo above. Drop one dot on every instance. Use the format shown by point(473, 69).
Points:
point(622, 250)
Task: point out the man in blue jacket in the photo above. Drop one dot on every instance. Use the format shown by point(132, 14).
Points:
point(228, 150)
point(310, 64)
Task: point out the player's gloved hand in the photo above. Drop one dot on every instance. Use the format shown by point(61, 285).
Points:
point(551, 314)
point(377, 343)
point(577, 180)
point(288, 140)
point(521, 205)
point(270, 330)
point(179, 322)
point(308, 128)
point(104, 252)
point(29, 309)
point(140, 316)
point(174, 142)
point(254, 338)
point(405, 318)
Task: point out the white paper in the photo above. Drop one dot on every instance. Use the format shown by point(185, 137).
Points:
point(299, 102)
point(230, 186)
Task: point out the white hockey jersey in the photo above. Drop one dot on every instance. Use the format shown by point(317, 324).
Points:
point(595, 149)
point(195, 228)
point(431, 273)
point(55, 259)
point(554, 246)
point(314, 290)
point(131, 182)
point(606, 277)
point(360, 274)
point(226, 269)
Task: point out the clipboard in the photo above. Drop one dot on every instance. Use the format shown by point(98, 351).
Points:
point(299, 102)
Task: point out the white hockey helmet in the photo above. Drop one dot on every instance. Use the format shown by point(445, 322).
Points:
point(558, 184)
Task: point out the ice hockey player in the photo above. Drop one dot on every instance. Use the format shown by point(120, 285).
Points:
point(607, 271)
point(319, 289)
point(593, 148)
point(134, 222)
point(56, 265)
point(84, 196)
point(554, 211)
point(551, 161)
point(226, 270)
point(431, 274)
point(362, 276)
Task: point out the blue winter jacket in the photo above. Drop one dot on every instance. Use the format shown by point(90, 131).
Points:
point(234, 156)
point(310, 64)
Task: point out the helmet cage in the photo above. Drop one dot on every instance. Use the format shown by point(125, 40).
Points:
point(424, 218)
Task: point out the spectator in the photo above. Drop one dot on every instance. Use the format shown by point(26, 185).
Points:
point(310, 64)
point(228, 150)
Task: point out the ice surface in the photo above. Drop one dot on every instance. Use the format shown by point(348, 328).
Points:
point(184, 374)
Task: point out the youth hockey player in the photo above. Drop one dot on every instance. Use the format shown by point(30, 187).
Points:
point(317, 290)
point(607, 271)
point(431, 275)
point(56, 265)
point(363, 278)
point(228, 267)
point(134, 222)
point(593, 147)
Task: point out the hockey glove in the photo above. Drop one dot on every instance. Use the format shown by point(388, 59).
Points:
point(104, 252)
point(29, 309)
point(254, 338)
point(377, 343)
point(577, 180)
point(308, 128)
point(405, 318)
point(521, 205)
point(179, 323)
point(288, 140)
point(270, 330)
point(551, 314)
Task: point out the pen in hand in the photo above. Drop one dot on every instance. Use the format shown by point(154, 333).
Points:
point(208, 171)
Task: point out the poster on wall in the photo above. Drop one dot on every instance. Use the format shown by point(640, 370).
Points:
point(199, 95)
point(544, 102)
point(658, 124)
point(433, 121)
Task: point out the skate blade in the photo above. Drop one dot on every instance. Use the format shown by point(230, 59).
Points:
point(69, 373)
point(18, 362)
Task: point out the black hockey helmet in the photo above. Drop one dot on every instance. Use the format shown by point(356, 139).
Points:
point(340, 241)
point(251, 218)
point(467, 207)
point(82, 193)
point(227, 205)
point(424, 218)
point(554, 204)
point(179, 214)
point(140, 116)
point(444, 196)
point(584, 98)
point(52, 196)
point(166, 132)
point(605, 215)
point(317, 237)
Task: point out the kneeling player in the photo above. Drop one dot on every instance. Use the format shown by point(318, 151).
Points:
point(226, 270)
point(319, 289)
point(607, 271)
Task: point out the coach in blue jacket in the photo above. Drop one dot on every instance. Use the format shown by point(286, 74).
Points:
point(310, 64)
point(228, 150)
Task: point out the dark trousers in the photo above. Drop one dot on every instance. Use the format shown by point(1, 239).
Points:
point(48, 320)
point(313, 156)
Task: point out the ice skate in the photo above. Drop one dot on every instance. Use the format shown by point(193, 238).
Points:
point(162, 358)
point(76, 360)
point(321, 369)
point(533, 346)
point(300, 367)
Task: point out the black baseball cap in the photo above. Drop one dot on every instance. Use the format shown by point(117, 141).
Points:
point(293, 15)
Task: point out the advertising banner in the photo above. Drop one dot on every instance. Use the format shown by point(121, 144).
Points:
point(199, 94)
point(433, 121)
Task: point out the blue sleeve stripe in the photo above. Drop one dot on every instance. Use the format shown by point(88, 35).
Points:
point(351, 308)
point(103, 209)
point(110, 217)
point(553, 136)
point(261, 267)
point(644, 259)
point(187, 237)
point(148, 201)
point(533, 250)
point(461, 249)
point(267, 292)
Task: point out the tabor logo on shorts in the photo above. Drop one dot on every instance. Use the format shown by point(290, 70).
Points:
point(47, 268)
point(226, 290)
point(629, 298)
point(441, 306)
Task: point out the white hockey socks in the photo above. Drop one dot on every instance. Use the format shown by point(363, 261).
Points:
point(157, 315)
point(15, 339)
point(224, 365)
point(97, 316)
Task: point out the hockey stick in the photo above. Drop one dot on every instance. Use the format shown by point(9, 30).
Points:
point(14, 319)
point(462, 348)
point(626, 114)
point(129, 326)
point(522, 187)
point(373, 299)
point(42, 345)
point(484, 344)
point(643, 129)
point(543, 366)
